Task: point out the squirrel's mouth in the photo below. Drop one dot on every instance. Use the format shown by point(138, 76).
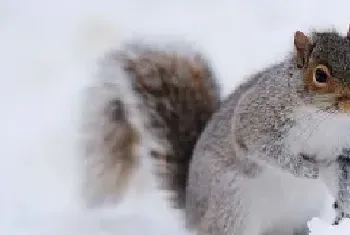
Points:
point(344, 107)
point(331, 101)
point(343, 104)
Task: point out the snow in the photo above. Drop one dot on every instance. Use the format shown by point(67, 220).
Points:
point(47, 53)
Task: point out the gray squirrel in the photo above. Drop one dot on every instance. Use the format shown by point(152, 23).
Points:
point(261, 162)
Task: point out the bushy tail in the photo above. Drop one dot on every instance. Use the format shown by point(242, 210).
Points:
point(146, 102)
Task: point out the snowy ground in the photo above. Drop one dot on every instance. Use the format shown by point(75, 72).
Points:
point(47, 51)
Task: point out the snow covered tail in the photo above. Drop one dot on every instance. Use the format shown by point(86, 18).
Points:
point(147, 102)
point(112, 132)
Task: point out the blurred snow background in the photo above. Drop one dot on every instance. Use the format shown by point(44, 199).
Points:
point(47, 51)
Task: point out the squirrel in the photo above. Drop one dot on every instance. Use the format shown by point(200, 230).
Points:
point(277, 146)
point(146, 100)
point(260, 162)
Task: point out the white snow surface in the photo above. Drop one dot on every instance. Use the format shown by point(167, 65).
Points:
point(48, 50)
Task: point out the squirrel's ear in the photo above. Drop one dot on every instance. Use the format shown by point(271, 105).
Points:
point(348, 33)
point(303, 47)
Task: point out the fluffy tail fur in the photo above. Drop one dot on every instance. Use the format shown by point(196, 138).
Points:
point(146, 101)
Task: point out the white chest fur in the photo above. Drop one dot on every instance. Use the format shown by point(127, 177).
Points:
point(319, 133)
point(283, 203)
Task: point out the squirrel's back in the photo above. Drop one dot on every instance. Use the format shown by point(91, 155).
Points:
point(146, 101)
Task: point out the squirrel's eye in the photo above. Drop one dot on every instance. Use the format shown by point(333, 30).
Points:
point(321, 75)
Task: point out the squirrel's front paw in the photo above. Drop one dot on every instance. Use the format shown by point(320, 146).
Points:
point(307, 167)
point(339, 213)
point(342, 204)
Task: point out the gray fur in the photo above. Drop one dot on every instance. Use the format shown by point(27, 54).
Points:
point(334, 51)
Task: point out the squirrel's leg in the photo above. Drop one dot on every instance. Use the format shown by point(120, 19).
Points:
point(280, 156)
point(273, 140)
point(228, 209)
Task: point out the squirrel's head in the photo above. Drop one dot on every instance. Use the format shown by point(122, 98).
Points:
point(324, 58)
